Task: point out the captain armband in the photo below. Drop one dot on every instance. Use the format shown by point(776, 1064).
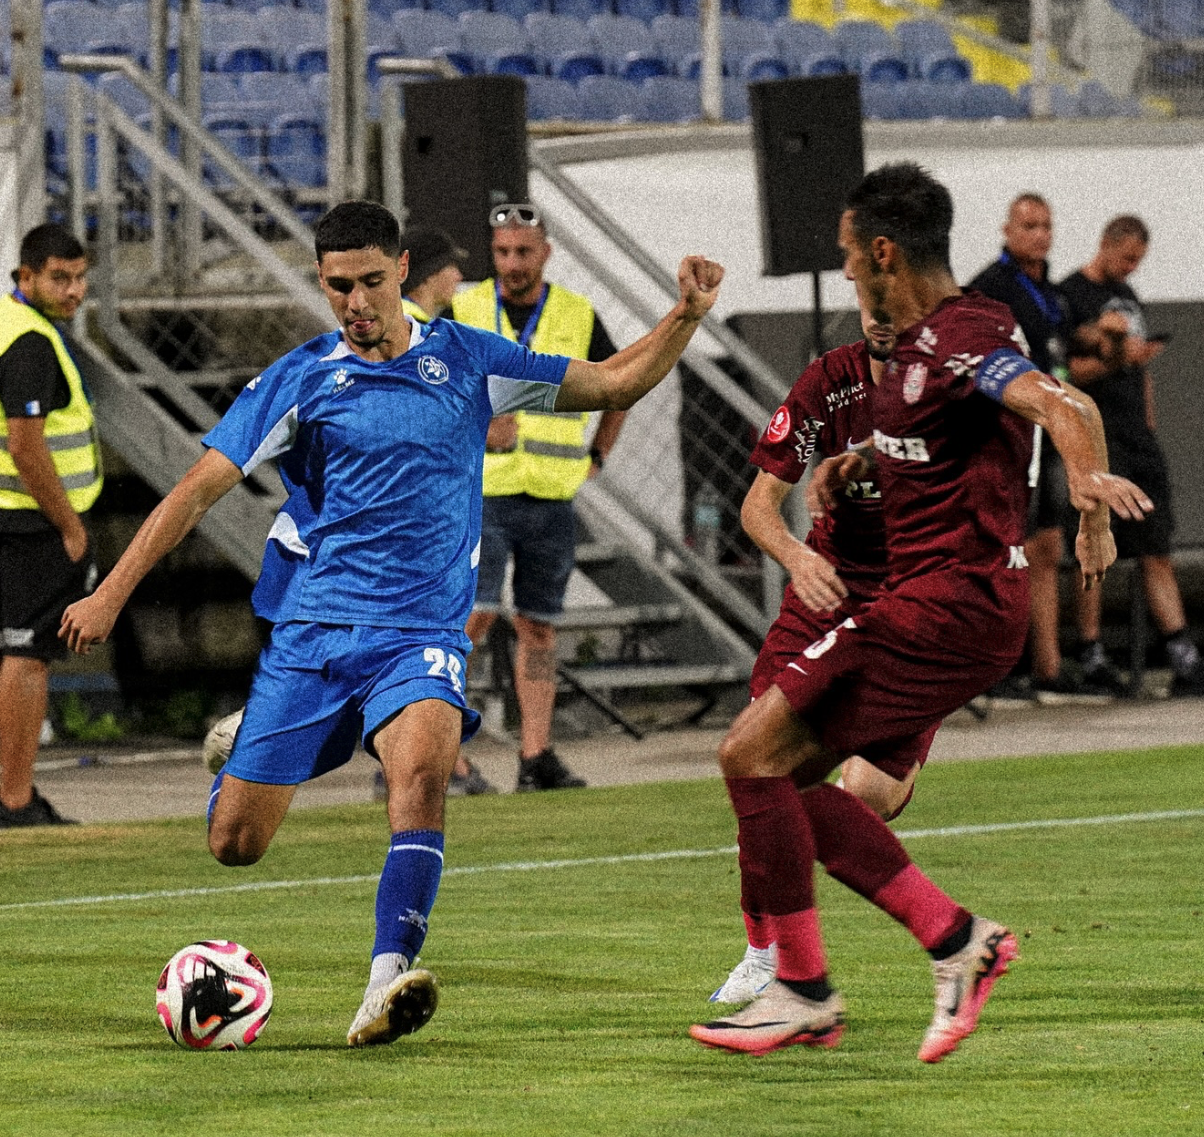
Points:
point(998, 369)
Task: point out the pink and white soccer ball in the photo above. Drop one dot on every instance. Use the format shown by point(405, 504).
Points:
point(214, 995)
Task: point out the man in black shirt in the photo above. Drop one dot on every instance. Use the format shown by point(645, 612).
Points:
point(49, 477)
point(1020, 279)
point(1109, 355)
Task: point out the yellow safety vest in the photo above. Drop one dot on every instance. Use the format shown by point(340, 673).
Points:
point(70, 432)
point(411, 309)
point(550, 459)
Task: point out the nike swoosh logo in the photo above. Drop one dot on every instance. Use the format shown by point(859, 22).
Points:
point(740, 1026)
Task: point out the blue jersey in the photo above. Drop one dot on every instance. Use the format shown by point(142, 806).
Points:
point(382, 463)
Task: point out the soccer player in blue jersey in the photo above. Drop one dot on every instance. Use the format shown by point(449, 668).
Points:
point(370, 567)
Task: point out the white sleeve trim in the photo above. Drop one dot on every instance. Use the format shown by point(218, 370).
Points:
point(506, 394)
point(277, 441)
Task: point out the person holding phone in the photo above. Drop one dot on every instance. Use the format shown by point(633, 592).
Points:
point(1110, 353)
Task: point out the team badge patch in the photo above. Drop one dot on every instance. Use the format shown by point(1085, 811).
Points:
point(433, 370)
point(779, 425)
point(913, 383)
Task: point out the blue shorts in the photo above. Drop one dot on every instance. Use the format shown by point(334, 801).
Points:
point(541, 536)
point(321, 688)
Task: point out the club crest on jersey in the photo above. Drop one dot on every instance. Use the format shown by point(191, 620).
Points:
point(779, 425)
point(433, 370)
point(926, 341)
point(913, 382)
point(341, 381)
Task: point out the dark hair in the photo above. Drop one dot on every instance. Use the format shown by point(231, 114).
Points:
point(905, 203)
point(1027, 198)
point(1125, 226)
point(357, 225)
point(46, 241)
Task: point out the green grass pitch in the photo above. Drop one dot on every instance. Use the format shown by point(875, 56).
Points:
point(568, 987)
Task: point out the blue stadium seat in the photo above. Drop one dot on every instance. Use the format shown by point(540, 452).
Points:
point(882, 67)
point(607, 99)
point(802, 39)
point(425, 34)
point(747, 37)
point(453, 8)
point(549, 98)
point(575, 66)
point(691, 66)
point(921, 100)
point(581, 9)
point(857, 38)
point(618, 36)
point(767, 11)
point(917, 38)
point(646, 10)
point(989, 100)
point(1096, 101)
point(668, 99)
point(519, 9)
point(223, 30)
point(639, 66)
point(511, 63)
point(70, 25)
point(304, 59)
point(295, 150)
point(881, 101)
point(552, 36)
point(735, 100)
point(240, 133)
point(677, 37)
point(759, 67)
point(1181, 19)
point(283, 92)
point(490, 36)
point(819, 63)
point(1063, 103)
point(689, 8)
point(942, 67)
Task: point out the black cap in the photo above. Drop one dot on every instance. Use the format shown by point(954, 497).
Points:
point(430, 251)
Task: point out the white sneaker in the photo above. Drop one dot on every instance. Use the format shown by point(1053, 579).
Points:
point(775, 1019)
point(394, 1009)
point(215, 750)
point(749, 977)
point(963, 985)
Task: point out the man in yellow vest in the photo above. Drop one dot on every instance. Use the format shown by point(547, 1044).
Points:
point(534, 465)
point(49, 477)
point(435, 271)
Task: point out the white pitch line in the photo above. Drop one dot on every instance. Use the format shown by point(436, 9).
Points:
point(583, 862)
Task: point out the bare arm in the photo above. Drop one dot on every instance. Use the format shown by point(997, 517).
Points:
point(35, 464)
point(1071, 420)
point(90, 620)
point(814, 578)
point(620, 381)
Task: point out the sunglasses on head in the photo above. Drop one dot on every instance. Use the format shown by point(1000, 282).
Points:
point(526, 216)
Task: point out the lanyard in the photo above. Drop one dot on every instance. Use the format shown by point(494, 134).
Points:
point(20, 297)
point(1046, 304)
point(532, 320)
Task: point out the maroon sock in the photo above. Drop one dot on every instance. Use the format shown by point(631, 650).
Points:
point(760, 930)
point(776, 859)
point(858, 849)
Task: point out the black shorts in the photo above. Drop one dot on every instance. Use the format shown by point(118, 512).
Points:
point(1144, 464)
point(1049, 506)
point(37, 582)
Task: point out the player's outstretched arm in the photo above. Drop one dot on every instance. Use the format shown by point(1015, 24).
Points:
point(1072, 421)
point(90, 620)
point(814, 578)
point(620, 381)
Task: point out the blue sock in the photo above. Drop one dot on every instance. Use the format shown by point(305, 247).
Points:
point(217, 785)
point(406, 894)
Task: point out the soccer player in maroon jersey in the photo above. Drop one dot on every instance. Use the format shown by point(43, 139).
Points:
point(834, 572)
point(952, 436)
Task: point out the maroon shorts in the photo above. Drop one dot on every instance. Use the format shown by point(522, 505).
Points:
point(795, 630)
point(884, 678)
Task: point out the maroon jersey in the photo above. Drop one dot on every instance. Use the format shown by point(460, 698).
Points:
point(953, 463)
point(827, 411)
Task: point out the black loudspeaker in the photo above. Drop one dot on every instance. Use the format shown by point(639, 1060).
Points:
point(809, 151)
point(465, 151)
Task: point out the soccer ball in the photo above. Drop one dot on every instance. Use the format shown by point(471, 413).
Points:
point(214, 995)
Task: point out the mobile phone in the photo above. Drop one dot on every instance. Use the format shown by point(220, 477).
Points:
point(1159, 337)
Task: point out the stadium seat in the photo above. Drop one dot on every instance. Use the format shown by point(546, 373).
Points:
point(70, 25)
point(819, 63)
point(691, 67)
point(295, 150)
point(283, 92)
point(767, 11)
point(453, 8)
point(917, 38)
point(677, 37)
point(512, 63)
point(881, 101)
point(921, 100)
point(239, 133)
point(549, 98)
point(425, 34)
point(285, 28)
point(735, 100)
point(120, 91)
point(989, 100)
point(520, 9)
point(747, 37)
point(617, 37)
point(942, 67)
point(856, 39)
point(668, 99)
point(304, 59)
point(689, 8)
point(801, 39)
point(490, 36)
point(1096, 101)
point(581, 9)
point(757, 68)
point(604, 98)
point(639, 66)
point(646, 10)
point(882, 67)
point(223, 30)
point(574, 67)
point(553, 36)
